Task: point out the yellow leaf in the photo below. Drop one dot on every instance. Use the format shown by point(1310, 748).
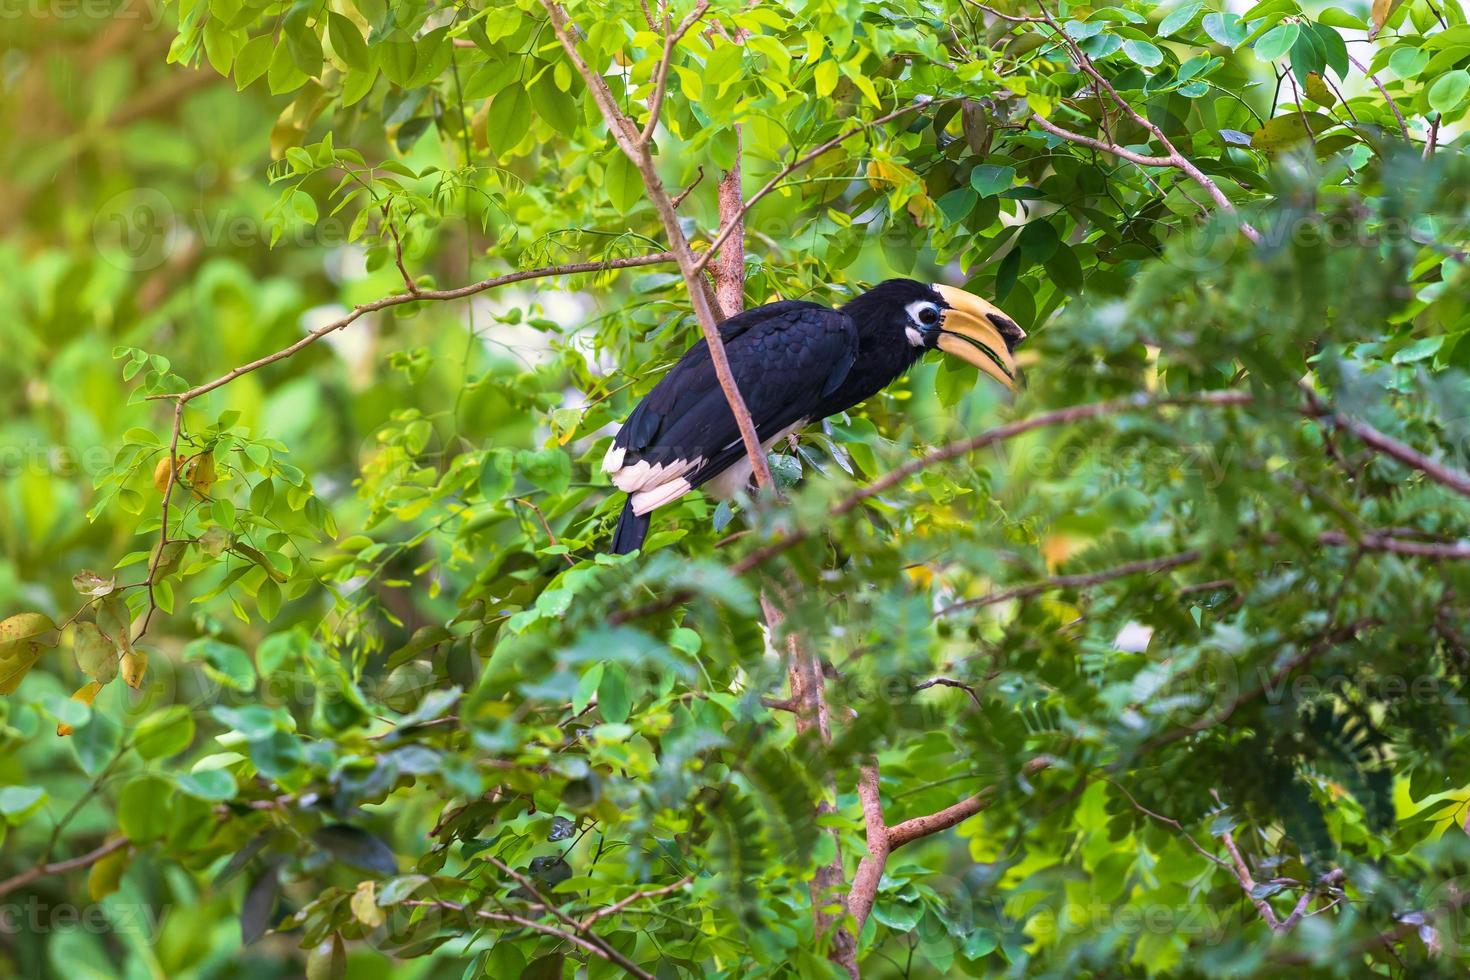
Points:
point(365, 904)
point(160, 473)
point(1382, 11)
point(107, 873)
point(825, 78)
point(86, 694)
point(201, 475)
point(23, 638)
point(134, 666)
point(1318, 91)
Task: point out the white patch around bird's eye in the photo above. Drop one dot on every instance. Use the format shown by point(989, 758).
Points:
point(922, 313)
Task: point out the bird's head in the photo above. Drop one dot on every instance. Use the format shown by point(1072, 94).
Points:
point(943, 318)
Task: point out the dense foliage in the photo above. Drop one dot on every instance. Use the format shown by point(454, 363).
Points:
point(1159, 667)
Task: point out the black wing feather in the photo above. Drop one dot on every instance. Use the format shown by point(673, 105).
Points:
point(786, 357)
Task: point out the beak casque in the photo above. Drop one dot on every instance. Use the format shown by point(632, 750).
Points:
point(976, 331)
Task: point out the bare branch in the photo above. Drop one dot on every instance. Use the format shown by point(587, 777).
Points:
point(729, 269)
point(729, 228)
point(408, 282)
point(398, 299)
point(1247, 884)
point(629, 140)
point(62, 867)
point(661, 73)
point(1096, 144)
point(638, 896)
point(1166, 820)
point(1174, 158)
point(1403, 126)
point(1013, 18)
point(1141, 567)
point(1001, 433)
point(1455, 480)
point(950, 682)
point(600, 950)
point(879, 842)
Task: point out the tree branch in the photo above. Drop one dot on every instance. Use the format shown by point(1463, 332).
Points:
point(62, 867)
point(729, 269)
point(1248, 884)
point(1403, 126)
point(879, 843)
point(1141, 567)
point(638, 896)
point(1174, 158)
point(630, 141)
point(596, 948)
point(661, 73)
point(729, 229)
point(1097, 144)
point(398, 299)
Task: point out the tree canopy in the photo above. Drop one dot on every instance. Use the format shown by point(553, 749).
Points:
point(321, 317)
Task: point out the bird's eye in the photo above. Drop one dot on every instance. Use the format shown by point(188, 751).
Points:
point(928, 316)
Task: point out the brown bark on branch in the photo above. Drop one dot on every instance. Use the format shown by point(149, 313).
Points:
point(62, 867)
point(633, 144)
point(729, 227)
point(1173, 158)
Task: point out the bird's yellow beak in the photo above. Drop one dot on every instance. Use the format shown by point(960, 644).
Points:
point(976, 331)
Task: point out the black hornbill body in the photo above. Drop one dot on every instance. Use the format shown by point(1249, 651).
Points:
point(794, 362)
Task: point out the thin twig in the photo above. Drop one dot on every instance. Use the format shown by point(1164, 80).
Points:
point(672, 36)
point(1403, 126)
point(629, 140)
point(601, 951)
point(1175, 158)
point(639, 896)
point(806, 158)
point(1140, 567)
point(62, 867)
point(950, 682)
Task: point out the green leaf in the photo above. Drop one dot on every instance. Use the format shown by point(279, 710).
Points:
point(1224, 29)
point(508, 119)
point(357, 848)
point(497, 474)
point(18, 803)
point(1448, 91)
point(251, 61)
point(988, 179)
point(624, 183)
point(613, 699)
point(549, 469)
point(555, 106)
point(211, 784)
point(97, 656)
point(167, 731)
point(1177, 18)
point(1144, 53)
point(347, 42)
point(224, 662)
point(1277, 41)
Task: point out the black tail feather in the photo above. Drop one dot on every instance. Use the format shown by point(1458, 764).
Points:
point(632, 529)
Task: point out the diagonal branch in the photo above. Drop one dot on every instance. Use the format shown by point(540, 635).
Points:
point(182, 398)
point(630, 141)
point(62, 867)
point(731, 225)
point(598, 949)
point(1403, 126)
point(1174, 158)
point(672, 36)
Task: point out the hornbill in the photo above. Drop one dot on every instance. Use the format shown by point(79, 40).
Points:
point(794, 362)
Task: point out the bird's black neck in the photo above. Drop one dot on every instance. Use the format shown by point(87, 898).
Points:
point(884, 350)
